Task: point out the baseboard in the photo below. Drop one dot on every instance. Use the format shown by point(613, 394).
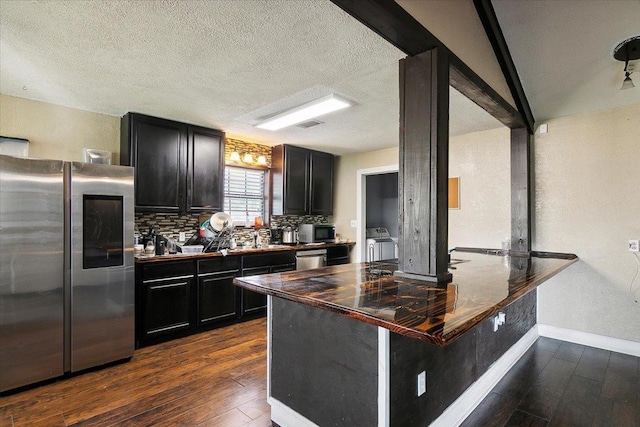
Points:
point(592, 340)
point(460, 409)
point(284, 416)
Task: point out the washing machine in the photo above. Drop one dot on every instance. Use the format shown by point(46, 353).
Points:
point(380, 245)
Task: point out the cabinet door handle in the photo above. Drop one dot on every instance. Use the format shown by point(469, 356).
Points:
point(170, 285)
point(215, 273)
point(168, 278)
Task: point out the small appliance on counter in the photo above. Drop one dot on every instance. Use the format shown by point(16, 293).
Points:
point(316, 233)
point(289, 236)
point(160, 244)
point(275, 236)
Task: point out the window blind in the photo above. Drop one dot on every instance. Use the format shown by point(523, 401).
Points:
point(243, 193)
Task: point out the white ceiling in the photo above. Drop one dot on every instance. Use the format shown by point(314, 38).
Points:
point(224, 64)
point(220, 64)
point(563, 52)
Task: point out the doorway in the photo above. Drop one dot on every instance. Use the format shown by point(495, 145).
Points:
point(377, 204)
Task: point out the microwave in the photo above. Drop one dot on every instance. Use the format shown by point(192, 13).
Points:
point(316, 233)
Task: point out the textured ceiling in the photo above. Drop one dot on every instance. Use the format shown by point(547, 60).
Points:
point(563, 52)
point(220, 64)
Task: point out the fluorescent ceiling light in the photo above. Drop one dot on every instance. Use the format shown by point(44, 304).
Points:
point(319, 107)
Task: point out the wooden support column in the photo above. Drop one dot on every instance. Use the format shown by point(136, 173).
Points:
point(424, 166)
point(520, 190)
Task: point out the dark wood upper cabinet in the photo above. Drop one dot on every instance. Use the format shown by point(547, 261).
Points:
point(301, 181)
point(321, 172)
point(296, 181)
point(178, 167)
point(205, 166)
point(155, 147)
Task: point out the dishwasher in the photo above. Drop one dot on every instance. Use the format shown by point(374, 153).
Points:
point(306, 260)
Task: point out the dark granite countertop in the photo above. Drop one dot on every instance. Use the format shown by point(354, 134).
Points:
point(483, 283)
point(235, 252)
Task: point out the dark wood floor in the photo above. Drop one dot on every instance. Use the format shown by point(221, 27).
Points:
point(216, 378)
point(558, 383)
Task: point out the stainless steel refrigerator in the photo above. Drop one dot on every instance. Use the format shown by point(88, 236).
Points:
point(66, 268)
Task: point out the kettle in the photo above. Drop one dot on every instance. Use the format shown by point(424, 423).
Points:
point(289, 235)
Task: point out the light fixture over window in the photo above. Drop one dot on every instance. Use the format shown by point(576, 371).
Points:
point(628, 50)
point(316, 108)
point(234, 156)
point(247, 158)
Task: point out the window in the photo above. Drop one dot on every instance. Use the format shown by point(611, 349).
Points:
point(243, 193)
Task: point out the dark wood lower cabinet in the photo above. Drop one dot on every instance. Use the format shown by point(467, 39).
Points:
point(217, 295)
point(338, 255)
point(252, 265)
point(253, 302)
point(216, 298)
point(166, 307)
point(164, 294)
point(178, 298)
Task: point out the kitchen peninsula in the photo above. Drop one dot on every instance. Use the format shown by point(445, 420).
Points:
point(346, 343)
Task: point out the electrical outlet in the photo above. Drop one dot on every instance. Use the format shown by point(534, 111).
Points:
point(499, 320)
point(182, 236)
point(544, 128)
point(422, 383)
point(634, 245)
point(354, 223)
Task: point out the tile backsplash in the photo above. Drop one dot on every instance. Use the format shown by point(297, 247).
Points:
point(170, 225)
point(167, 224)
point(279, 221)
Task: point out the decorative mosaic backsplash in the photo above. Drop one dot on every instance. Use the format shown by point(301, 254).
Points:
point(167, 224)
point(280, 221)
point(170, 225)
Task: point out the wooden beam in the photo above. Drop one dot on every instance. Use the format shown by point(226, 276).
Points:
point(389, 20)
point(520, 190)
point(396, 25)
point(468, 83)
point(492, 27)
point(424, 166)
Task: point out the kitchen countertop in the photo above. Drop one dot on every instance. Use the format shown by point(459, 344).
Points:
point(484, 281)
point(235, 252)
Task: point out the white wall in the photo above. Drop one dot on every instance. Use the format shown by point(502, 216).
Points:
point(347, 166)
point(587, 202)
point(56, 132)
point(482, 161)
